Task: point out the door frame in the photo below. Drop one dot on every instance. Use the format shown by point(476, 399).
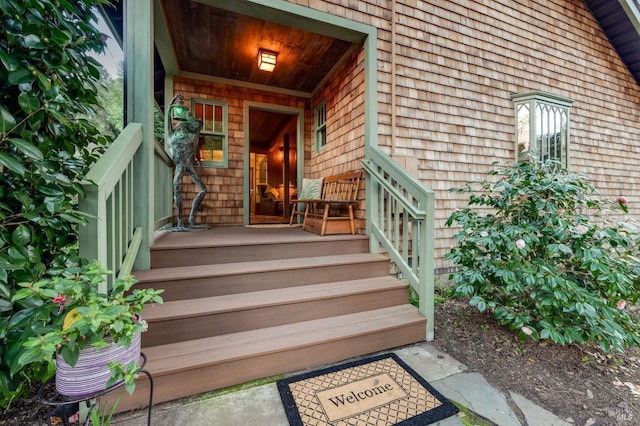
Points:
point(300, 149)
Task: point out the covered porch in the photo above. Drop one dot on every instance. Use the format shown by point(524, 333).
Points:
point(130, 196)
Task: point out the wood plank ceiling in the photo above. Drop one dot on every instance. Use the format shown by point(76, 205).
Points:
point(221, 43)
point(214, 42)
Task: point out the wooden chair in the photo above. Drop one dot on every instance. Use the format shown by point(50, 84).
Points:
point(332, 212)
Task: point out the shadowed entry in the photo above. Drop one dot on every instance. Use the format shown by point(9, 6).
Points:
point(272, 169)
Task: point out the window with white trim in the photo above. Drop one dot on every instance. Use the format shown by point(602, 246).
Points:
point(542, 127)
point(213, 144)
point(320, 125)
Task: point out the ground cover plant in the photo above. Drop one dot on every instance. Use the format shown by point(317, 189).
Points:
point(549, 258)
point(48, 89)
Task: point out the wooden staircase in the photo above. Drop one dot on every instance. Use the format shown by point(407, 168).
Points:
point(244, 303)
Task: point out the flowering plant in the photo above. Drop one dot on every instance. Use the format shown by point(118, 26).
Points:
point(74, 313)
point(548, 257)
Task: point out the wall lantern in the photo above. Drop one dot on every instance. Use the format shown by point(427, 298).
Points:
point(266, 60)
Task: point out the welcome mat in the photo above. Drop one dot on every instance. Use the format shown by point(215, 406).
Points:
point(380, 390)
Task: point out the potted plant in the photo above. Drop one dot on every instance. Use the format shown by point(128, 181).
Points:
point(79, 320)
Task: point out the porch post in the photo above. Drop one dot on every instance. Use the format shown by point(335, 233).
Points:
point(138, 37)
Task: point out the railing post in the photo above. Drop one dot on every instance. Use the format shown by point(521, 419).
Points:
point(139, 87)
point(427, 275)
point(372, 207)
point(90, 246)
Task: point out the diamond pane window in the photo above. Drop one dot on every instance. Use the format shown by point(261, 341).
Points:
point(213, 142)
point(542, 127)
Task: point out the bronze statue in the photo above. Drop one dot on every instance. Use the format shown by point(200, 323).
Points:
point(182, 144)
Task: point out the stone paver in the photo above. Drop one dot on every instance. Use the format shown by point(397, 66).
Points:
point(535, 415)
point(475, 393)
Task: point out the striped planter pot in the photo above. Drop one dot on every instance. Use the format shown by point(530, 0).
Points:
point(91, 373)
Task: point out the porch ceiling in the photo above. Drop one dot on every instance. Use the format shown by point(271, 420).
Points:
point(222, 43)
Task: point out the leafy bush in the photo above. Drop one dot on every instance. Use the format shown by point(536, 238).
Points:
point(48, 86)
point(544, 254)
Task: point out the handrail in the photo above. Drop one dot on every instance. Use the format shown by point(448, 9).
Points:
point(108, 201)
point(401, 213)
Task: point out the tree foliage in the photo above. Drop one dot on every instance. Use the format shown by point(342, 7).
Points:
point(48, 88)
point(109, 114)
point(547, 257)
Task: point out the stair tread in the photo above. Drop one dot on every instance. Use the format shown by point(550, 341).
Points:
point(217, 349)
point(254, 267)
point(180, 309)
point(229, 237)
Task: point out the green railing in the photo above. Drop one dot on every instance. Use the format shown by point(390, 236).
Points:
point(401, 211)
point(112, 236)
point(163, 187)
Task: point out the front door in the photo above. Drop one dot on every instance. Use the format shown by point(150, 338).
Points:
point(272, 178)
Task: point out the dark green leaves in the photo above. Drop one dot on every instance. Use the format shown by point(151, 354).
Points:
point(7, 121)
point(27, 148)
point(12, 163)
point(28, 102)
point(48, 82)
point(539, 250)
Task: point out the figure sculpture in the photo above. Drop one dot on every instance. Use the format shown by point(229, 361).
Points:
point(182, 144)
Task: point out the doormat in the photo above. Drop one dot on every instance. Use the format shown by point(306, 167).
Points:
point(380, 390)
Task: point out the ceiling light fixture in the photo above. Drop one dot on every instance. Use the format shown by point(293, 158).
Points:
point(266, 60)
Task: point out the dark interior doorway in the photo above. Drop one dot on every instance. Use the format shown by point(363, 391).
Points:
point(272, 156)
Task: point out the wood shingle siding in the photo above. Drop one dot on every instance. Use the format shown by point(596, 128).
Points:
point(446, 102)
point(458, 62)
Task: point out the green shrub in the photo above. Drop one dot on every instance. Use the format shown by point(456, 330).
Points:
point(546, 256)
point(48, 86)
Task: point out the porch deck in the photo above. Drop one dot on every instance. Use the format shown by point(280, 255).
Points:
point(231, 244)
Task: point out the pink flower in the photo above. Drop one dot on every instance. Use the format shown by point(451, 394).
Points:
point(582, 229)
point(520, 244)
point(526, 330)
point(622, 200)
point(621, 304)
point(60, 300)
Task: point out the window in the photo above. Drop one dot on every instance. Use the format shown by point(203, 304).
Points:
point(213, 143)
point(320, 124)
point(542, 127)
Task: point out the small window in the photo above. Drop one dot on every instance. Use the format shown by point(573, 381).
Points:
point(542, 127)
point(213, 143)
point(320, 124)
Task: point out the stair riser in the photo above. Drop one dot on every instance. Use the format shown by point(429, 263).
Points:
point(244, 283)
point(232, 254)
point(169, 331)
point(207, 378)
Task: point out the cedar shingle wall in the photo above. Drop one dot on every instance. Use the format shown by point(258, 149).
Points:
point(458, 62)
point(344, 95)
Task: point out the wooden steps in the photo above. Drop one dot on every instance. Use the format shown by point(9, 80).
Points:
point(220, 361)
point(188, 249)
point(188, 282)
point(268, 308)
point(182, 320)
